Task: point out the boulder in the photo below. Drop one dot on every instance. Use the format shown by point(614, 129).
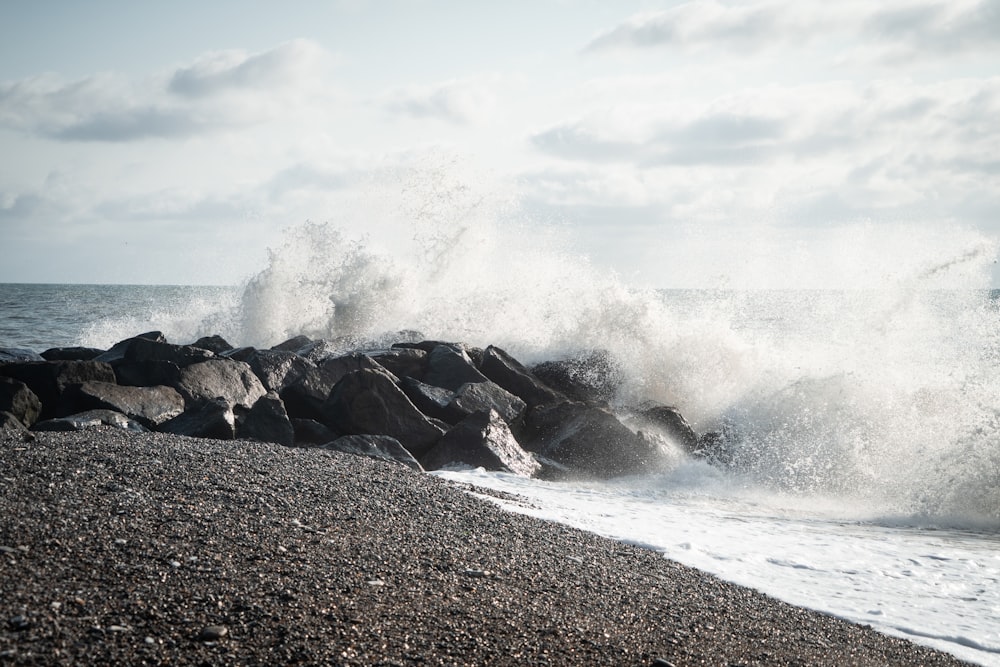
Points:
point(402, 362)
point(18, 400)
point(267, 421)
point(306, 396)
point(368, 402)
point(117, 351)
point(212, 419)
point(669, 422)
point(449, 368)
point(90, 419)
point(49, 379)
point(594, 376)
point(430, 400)
point(239, 353)
point(214, 343)
point(481, 440)
point(293, 344)
point(508, 372)
point(589, 440)
point(147, 373)
point(71, 353)
point(150, 406)
point(13, 355)
point(220, 378)
point(312, 432)
point(382, 447)
point(12, 427)
point(474, 397)
point(142, 349)
point(277, 369)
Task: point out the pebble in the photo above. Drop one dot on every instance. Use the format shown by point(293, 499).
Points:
point(212, 633)
point(18, 623)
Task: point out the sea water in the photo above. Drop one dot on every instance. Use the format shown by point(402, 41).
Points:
point(861, 424)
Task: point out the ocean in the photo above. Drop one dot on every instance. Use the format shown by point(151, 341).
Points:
point(863, 424)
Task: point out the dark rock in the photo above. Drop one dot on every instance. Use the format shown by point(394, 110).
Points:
point(669, 422)
point(589, 440)
point(212, 419)
point(239, 353)
point(11, 426)
point(13, 355)
point(508, 372)
point(220, 378)
point(150, 406)
point(267, 421)
point(306, 396)
point(213, 633)
point(49, 379)
point(430, 400)
point(595, 376)
point(117, 351)
point(478, 396)
point(90, 419)
point(428, 345)
point(18, 400)
point(368, 402)
point(319, 351)
point(481, 440)
point(381, 447)
point(402, 362)
point(141, 349)
point(293, 344)
point(147, 373)
point(215, 343)
point(71, 353)
point(449, 368)
point(277, 369)
point(312, 432)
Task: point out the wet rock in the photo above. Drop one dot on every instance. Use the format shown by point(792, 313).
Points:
point(11, 355)
point(449, 368)
point(212, 419)
point(594, 376)
point(150, 406)
point(312, 432)
point(368, 402)
point(381, 447)
point(117, 351)
point(402, 362)
point(268, 421)
point(430, 400)
point(214, 343)
point(147, 373)
point(71, 353)
point(589, 440)
point(215, 378)
point(481, 440)
point(239, 353)
point(90, 419)
point(293, 344)
point(142, 349)
point(510, 374)
point(306, 396)
point(278, 369)
point(669, 421)
point(49, 379)
point(18, 400)
point(478, 396)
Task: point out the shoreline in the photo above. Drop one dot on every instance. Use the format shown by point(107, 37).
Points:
point(154, 549)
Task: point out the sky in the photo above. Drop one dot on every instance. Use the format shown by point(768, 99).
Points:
point(693, 143)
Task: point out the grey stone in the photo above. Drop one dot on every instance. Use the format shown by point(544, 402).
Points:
point(267, 421)
point(481, 440)
point(212, 419)
point(306, 396)
point(474, 397)
point(510, 374)
point(150, 406)
point(49, 379)
point(90, 419)
point(12, 355)
point(226, 378)
point(381, 447)
point(593, 376)
point(278, 369)
point(449, 368)
point(18, 400)
point(71, 353)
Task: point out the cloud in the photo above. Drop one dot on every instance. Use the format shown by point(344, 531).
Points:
point(898, 30)
point(219, 91)
point(461, 101)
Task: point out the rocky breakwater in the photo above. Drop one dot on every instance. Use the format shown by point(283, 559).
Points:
point(425, 404)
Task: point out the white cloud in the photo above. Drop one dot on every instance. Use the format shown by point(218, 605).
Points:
point(457, 100)
point(219, 91)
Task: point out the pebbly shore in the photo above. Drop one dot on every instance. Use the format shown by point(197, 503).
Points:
point(148, 549)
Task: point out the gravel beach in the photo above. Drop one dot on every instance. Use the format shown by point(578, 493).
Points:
point(134, 549)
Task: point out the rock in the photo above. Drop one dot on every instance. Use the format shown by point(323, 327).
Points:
point(212, 419)
point(71, 353)
point(319, 351)
point(507, 372)
point(239, 353)
point(430, 400)
point(220, 378)
point(669, 422)
point(449, 368)
point(474, 397)
point(150, 406)
point(18, 400)
point(381, 447)
point(11, 426)
point(481, 440)
point(48, 379)
point(589, 440)
point(13, 355)
point(90, 419)
point(402, 362)
point(142, 349)
point(213, 633)
point(306, 396)
point(293, 344)
point(276, 369)
point(215, 344)
point(267, 421)
point(595, 376)
point(368, 402)
point(117, 351)
point(147, 373)
point(312, 432)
